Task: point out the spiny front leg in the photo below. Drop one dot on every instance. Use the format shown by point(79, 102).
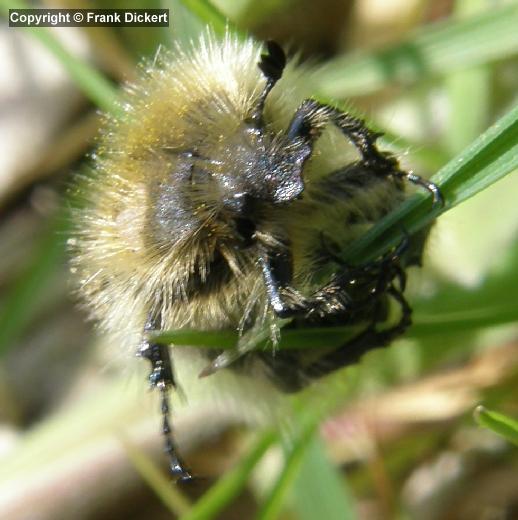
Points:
point(312, 117)
point(161, 377)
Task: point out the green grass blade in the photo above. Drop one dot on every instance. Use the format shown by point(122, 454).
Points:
point(209, 14)
point(456, 309)
point(94, 85)
point(467, 118)
point(225, 339)
point(274, 502)
point(184, 26)
point(230, 485)
point(488, 159)
point(437, 49)
point(498, 423)
point(465, 321)
point(319, 489)
point(469, 91)
point(25, 295)
point(424, 325)
point(199, 338)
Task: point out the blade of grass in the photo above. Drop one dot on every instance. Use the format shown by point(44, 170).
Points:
point(230, 485)
point(469, 91)
point(95, 86)
point(328, 337)
point(469, 98)
point(436, 49)
point(184, 26)
point(458, 309)
point(199, 338)
point(227, 339)
point(274, 502)
point(450, 322)
point(24, 295)
point(319, 489)
point(210, 14)
point(498, 423)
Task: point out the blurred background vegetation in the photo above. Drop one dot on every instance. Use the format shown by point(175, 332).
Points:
point(421, 430)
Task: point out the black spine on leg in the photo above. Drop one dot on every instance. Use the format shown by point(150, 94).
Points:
point(162, 378)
